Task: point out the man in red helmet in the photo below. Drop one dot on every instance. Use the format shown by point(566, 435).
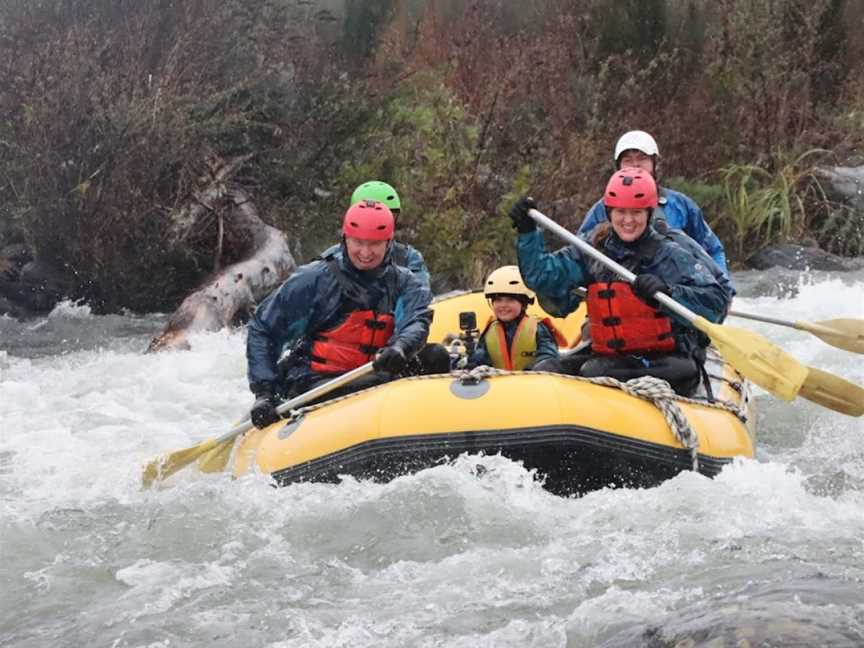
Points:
point(631, 335)
point(336, 314)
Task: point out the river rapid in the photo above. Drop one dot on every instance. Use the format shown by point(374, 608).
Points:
point(771, 552)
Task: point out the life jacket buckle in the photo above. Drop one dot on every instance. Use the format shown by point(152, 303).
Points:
point(376, 324)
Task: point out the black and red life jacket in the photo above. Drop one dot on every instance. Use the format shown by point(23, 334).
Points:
point(364, 331)
point(622, 323)
point(352, 343)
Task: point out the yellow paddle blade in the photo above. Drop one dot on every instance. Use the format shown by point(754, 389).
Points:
point(756, 358)
point(217, 458)
point(166, 465)
point(833, 392)
point(846, 334)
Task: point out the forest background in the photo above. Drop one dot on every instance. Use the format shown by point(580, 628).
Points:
point(111, 110)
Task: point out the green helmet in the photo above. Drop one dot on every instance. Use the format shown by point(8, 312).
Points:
point(377, 191)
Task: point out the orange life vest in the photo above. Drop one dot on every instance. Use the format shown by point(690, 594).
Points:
point(622, 323)
point(352, 343)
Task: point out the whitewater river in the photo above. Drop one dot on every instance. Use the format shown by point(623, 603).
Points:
point(771, 552)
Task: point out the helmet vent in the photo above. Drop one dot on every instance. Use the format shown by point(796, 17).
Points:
point(627, 180)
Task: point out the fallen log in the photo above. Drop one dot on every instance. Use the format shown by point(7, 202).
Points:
point(231, 293)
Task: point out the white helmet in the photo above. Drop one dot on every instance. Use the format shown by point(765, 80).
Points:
point(636, 140)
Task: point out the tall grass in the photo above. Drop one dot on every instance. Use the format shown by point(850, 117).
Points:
point(772, 202)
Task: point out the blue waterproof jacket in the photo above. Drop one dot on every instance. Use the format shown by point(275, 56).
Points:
point(401, 254)
point(312, 300)
point(680, 212)
point(699, 252)
point(553, 275)
point(547, 346)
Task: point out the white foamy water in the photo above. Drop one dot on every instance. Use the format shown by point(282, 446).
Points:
point(772, 550)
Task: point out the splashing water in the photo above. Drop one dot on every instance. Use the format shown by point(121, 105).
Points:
point(769, 552)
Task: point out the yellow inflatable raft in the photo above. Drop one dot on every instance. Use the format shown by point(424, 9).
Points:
point(578, 435)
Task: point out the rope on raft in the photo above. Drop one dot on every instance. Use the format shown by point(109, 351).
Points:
point(654, 390)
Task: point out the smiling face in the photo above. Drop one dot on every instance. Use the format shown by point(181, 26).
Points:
point(628, 223)
point(506, 308)
point(365, 255)
point(635, 158)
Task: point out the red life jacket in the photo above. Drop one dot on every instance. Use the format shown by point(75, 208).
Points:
point(352, 343)
point(622, 323)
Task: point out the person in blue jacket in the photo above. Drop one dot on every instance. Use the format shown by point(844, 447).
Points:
point(513, 340)
point(432, 358)
point(631, 335)
point(336, 314)
point(638, 149)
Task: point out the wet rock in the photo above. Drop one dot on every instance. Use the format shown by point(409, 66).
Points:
point(844, 184)
point(12, 259)
point(12, 309)
point(800, 257)
point(44, 276)
point(840, 227)
point(802, 613)
point(34, 290)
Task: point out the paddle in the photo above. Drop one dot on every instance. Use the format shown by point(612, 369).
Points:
point(752, 355)
point(846, 334)
point(166, 465)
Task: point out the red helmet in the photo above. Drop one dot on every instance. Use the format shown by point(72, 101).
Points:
point(368, 220)
point(631, 188)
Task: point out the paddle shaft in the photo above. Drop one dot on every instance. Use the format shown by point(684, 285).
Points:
point(287, 406)
point(305, 397)
point(588, 249)
point(761, 318)
point(166, 465)
point(812, 327)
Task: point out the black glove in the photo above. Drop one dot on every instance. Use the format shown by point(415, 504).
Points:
point(645, 285)
point(263, 411)
point(519, 215)
point(390, 359)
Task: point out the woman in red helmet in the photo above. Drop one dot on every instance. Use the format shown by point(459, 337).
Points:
point(630, 334)
point(336, 314)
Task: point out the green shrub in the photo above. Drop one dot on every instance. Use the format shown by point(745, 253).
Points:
point(423, 142)
point(768, 205)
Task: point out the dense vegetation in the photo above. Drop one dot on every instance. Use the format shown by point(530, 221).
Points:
point(112, 108)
